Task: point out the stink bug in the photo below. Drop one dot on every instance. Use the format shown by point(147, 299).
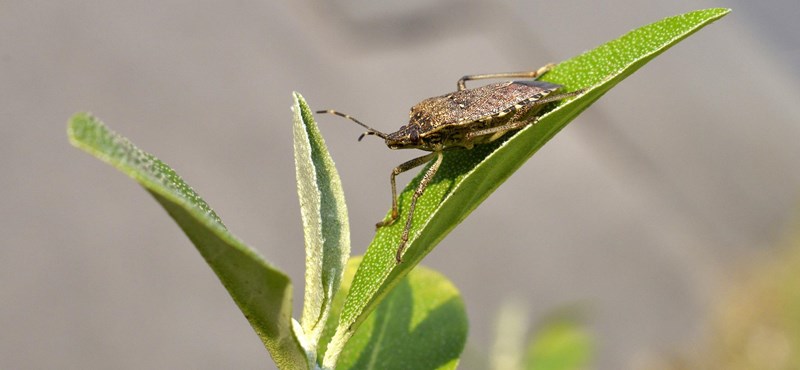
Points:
point(462, 119)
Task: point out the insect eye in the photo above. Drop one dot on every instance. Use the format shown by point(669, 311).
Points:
point(414, 135)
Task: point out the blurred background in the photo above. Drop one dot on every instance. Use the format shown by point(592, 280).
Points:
point(644, 211)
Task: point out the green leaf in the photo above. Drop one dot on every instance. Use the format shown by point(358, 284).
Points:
point(421, 324)
point(327, 233)
point(262, 292)
point(560, 344)
point(467, 177)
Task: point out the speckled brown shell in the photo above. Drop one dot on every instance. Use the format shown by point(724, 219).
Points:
point(444, 121)
point(481, 103)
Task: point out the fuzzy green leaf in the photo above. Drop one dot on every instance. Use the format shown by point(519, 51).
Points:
point(467, 177)
point(421, 324)
point(327, 232)
point(262, 292)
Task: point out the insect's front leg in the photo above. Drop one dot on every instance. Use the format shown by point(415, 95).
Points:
point(423, 184)
point(416, 162)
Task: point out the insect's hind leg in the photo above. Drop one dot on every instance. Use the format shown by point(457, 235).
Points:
point(416, 162)
point(533, 74)
point(499, 131)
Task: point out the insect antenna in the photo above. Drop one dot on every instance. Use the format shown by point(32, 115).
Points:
point(370, 130)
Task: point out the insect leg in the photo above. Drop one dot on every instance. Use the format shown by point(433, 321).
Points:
point(499, 131)
point(533, 74)
point(423, 184)
point(556, 97)
point(416, 162)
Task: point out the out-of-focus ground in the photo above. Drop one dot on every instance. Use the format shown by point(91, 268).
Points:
point(756, 324)
point(643, 210)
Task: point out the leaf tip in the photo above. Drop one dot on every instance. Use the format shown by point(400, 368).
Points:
point(76, 120)
point(715, 13)
point(77, 127)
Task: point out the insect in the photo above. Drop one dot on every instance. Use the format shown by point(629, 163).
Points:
point(462, 119)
